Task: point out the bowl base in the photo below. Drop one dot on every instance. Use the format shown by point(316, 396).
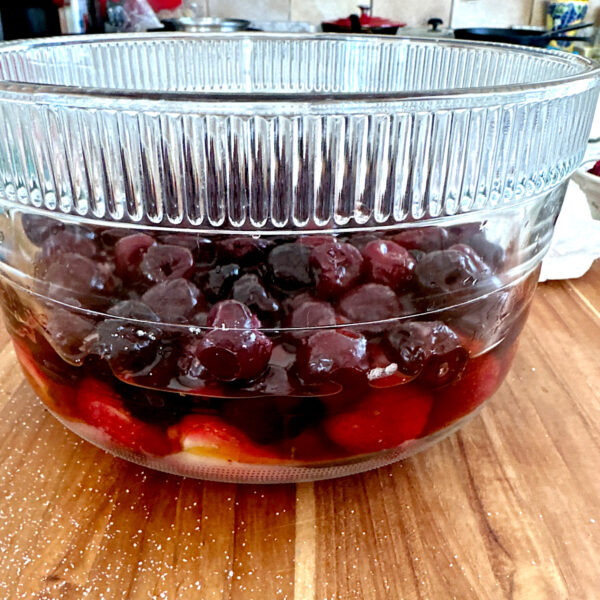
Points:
point(210, 469)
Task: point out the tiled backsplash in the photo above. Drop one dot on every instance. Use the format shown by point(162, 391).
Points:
point(459, 13)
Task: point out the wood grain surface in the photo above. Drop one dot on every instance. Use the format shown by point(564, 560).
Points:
point(509, 507)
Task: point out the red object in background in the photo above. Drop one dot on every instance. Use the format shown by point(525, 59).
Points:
point(156, 5)
point(164, 4)
point(364, 24)
point(595, 170)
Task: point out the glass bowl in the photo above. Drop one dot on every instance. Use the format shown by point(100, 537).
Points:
point(276, 258)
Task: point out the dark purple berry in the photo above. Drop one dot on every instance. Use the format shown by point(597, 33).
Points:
point(68, 333)
point(426, 239)
point(202, 249)
point(162, 262)
point(336, 267)
point(249, 290)
point(371, 302)
point(234, 354)
point(430, 350)
point(289, 267)
point(417, 254)
point(360, 240)
point(81, 278)
point(191, 372)
point(38, 228)
point(127, 346)
point(333, 355)
point(231, 314)
point(449, 271)
point(493, 254)
point(174, 300)
point(217, 284)
point(243, 250)
point(388, 263)
point(309, 314)
point(68, 241)
point(109, 237)
point(133, 309)
point(129, 252)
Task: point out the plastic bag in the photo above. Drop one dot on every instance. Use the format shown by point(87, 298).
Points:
point(576, 240)
point(131, 15)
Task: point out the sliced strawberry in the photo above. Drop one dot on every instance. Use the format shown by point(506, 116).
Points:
point(212, 437)
point(382, 419)
point(480, 379)
point(58, 397)
point(100, 406)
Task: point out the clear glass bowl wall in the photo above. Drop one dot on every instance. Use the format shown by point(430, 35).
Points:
point(286, 259)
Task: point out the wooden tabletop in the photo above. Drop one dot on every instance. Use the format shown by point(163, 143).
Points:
point(509, 507)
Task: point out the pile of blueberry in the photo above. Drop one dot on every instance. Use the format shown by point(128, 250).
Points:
point(265, 340)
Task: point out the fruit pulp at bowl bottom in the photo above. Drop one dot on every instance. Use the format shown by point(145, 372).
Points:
point(376, 426)
point(263, 359)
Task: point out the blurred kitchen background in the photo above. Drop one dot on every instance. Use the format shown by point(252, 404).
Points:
point(416, 13)
point(29, 18)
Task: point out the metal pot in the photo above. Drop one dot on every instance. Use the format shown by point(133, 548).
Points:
point(206, 25)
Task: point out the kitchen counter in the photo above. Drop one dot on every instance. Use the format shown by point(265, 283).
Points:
point(509, 507)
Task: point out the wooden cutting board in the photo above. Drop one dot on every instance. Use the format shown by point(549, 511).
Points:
point(509, 507)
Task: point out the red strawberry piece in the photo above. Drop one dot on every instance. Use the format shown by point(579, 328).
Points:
point(480, 379)
point(211, 437)
point(100, 406)
point(382, 419)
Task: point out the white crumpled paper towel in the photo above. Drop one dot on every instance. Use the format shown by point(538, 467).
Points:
point(576, 240)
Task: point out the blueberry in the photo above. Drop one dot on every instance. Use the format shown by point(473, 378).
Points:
point(426, 239)
point(309, 314)
point(174, 300)
point(289, 267)
point(371, 302)
point(163, 262)
point(249, 290)
point(133, 309)
point(129, 252)
point(242, 250)
point(450, 272)
point(217, 283)
point(429, 349)
point(38, 228)
point(68, 333)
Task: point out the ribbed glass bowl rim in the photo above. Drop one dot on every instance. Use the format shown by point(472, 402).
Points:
point(143, 100)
